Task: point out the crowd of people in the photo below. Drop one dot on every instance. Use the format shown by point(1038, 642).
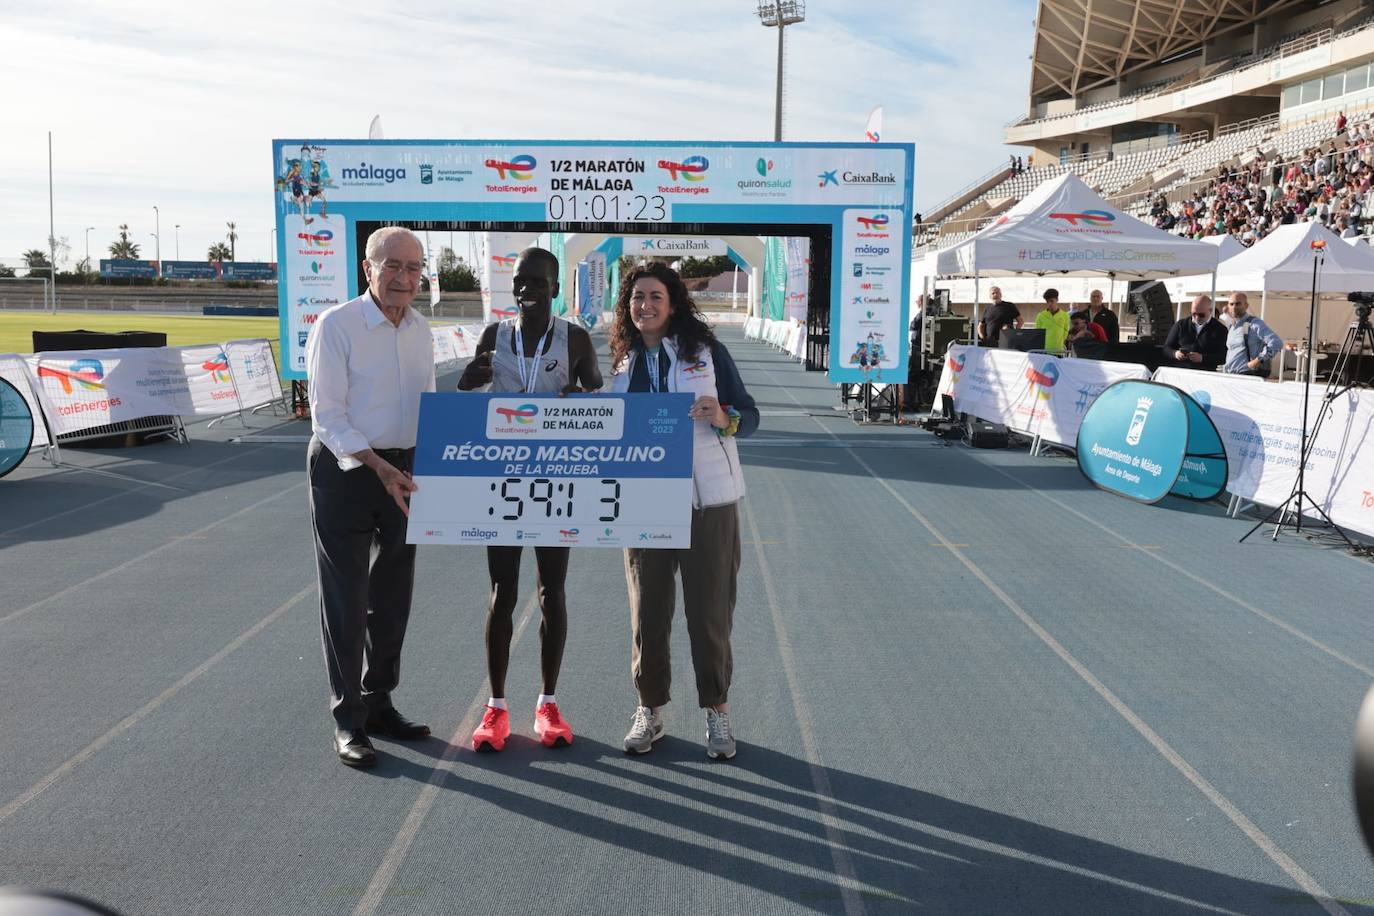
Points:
point(1236, 342)
point(1329, 183)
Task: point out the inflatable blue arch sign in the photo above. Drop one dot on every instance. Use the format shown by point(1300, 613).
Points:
point(860, 191)
point(1146, 440)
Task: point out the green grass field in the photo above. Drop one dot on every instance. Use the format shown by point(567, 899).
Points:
point(16, 327)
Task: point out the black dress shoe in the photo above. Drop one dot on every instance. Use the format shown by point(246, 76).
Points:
point(392, 724)
point(353, 748)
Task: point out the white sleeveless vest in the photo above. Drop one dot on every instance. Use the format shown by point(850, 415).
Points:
point(717, 478)
point(551, 366)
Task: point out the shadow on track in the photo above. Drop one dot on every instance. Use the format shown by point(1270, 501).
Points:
point(909, 849)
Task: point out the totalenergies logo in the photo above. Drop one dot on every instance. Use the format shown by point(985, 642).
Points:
point(1091, 217)
point(87, 373)
point(524, 414)
point(874, 223)
point(217, 367)
point(318, 239)
point(504, 261)
point(956, 362)
point(1045, 379)
point(693, 168)
point(698, 366)
point(521, 167)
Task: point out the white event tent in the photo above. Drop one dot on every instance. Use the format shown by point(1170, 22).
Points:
point(1228, 246)
point(1282, 261)
point(1063, 228)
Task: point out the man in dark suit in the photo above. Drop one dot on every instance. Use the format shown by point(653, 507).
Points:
point(1197, 340)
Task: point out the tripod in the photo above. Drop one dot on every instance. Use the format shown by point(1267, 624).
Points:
point(1345, 375)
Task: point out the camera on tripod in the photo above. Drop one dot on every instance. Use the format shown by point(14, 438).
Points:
point(1364, 301)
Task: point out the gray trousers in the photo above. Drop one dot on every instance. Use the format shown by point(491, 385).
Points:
point(366, 575)
point(709, 569)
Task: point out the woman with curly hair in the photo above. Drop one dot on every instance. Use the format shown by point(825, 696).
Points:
point(659, 342)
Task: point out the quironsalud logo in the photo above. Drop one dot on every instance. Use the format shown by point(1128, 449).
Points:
point(1137, 427)
point(764, 166)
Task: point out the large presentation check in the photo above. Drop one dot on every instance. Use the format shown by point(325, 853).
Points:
point(587, 470)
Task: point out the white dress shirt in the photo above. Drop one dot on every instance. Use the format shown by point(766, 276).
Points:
point(366, 377)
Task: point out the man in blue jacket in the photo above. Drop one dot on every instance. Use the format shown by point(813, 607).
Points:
point(1250, 344)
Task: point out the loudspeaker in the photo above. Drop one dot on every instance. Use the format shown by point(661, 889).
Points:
point(940, 331)
point(938, 303)
point(982, 434)
point(1153, 308)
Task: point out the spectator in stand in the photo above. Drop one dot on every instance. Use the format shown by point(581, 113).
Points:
point(1250, 344)
point(1105, 317)
point(999, 316)
point(1197, 340)
point(1054, 321)
point(1340, 122)
point(1348, 231)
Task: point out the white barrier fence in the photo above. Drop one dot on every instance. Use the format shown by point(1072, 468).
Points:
point(1045, 396)
point(788, 335)
point(83, 392)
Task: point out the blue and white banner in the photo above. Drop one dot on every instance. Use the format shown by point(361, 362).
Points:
point(668, 188)
point(1133, 440)
point(1032, 393)
point(583, 470)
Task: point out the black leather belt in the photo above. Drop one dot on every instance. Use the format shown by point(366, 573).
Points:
point(394, 454)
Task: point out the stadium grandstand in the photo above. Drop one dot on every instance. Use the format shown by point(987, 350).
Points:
point(1198, 116)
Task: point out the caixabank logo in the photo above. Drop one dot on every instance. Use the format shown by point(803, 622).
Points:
point(848, 178)
point(517, 169)
point(688, 176)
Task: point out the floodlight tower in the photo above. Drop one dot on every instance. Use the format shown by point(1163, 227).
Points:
point(780, 14)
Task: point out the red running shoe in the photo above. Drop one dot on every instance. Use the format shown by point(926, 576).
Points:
point(491, 735)
point(550, 726)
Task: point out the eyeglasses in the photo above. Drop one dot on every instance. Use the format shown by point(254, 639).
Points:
point(414, 268)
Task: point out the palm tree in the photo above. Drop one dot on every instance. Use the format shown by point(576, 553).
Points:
point(34, 258)
point(125, 248)
point(219, 251)
point(233, 237)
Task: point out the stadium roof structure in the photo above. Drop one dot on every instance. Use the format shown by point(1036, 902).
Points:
point(1083, 44)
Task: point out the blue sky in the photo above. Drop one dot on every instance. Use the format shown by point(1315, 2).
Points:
point(175, 104)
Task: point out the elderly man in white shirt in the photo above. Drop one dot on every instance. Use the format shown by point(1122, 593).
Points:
point(368, 361)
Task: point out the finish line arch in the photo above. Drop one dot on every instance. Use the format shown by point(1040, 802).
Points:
point(853, 200)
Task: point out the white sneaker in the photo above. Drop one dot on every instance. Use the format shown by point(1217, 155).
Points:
point(645, 729)
point(720, 743)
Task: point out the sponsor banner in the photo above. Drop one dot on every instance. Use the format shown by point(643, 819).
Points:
point(248, 270)
point(120, 268)
point(1145, 440)
point(650, 187)
point(1209, 91)
point(1032, 393)
point(1260, 424)
point(93, 388)
point(798, 277)
point(872, 333)
point(209, 380)
point(1133, 439)
point(190, 270)
point(1103, 117)
point(14, 370)
point(591, 295)
point(498, 272)
point(17, 424)
point(1302, 62)
point(255, 372)
point(317, 270)
point(669, 246)
point(572, 182)
point(432, 265)
point(445, 344)
point(589, 470)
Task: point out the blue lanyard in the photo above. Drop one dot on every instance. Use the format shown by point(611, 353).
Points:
point(651, 359)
